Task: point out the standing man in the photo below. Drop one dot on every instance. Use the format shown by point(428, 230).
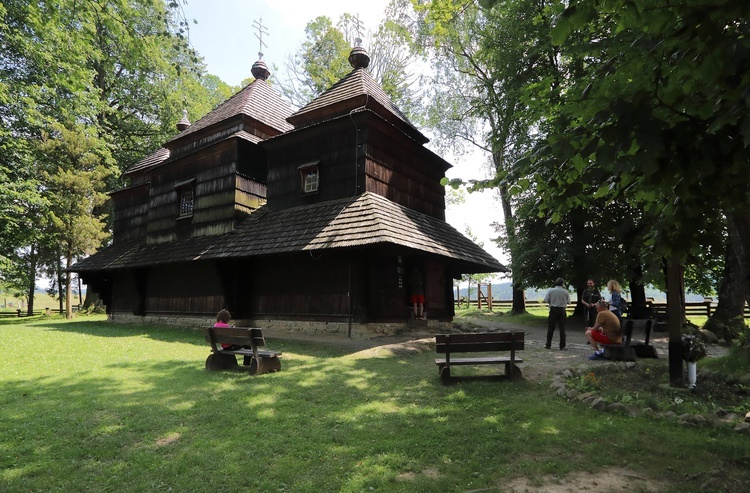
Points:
point(558, 299)
point(588, 299)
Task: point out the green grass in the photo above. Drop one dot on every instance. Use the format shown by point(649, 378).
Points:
point(89, 406)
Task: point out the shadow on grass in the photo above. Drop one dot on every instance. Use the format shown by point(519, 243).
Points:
point(186, 335)
point(329, 421)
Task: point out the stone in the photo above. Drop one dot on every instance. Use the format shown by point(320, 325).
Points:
point(742, 428)
point(633, 410)
point(708, 336)
point(616, 407)
point(599, 404)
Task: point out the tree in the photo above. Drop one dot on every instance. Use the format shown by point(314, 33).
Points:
point(484, 60)
point(123, 69)
point(650, 102)
point(322, 60)
point(77, 169)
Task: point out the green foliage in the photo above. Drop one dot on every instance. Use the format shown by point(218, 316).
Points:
point(322, 60)
point(115, 76)
point(651, 113)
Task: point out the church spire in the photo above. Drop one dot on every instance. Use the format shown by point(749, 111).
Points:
point(260, 69)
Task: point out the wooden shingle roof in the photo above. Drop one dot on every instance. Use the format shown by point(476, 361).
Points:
point(256, 100)
point(356, 91)
point(362, 221)
point(153, 159)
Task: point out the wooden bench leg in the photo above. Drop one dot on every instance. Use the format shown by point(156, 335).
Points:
point(513, 371)
point(217, 362)
point(259, 366)
point(445, 373)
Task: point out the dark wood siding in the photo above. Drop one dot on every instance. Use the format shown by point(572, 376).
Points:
point(188, 289)
point(125, 297)
point(222, 196)
point(401, 171)
point(129, 213)
point(295, 286)
point(338, 152)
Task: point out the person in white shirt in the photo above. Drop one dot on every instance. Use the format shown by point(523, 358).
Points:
point(558, 298)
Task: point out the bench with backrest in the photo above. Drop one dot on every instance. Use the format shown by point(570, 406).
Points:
point(486, 343)
point(630, 349)
point(255, 360)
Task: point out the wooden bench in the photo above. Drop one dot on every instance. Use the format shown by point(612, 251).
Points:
point(255, 360)
point(629, 349)
point(484, 342)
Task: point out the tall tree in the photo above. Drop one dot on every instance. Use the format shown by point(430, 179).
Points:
point(653, 103)
point(123, 68)
point(77, 167)
point(484, 60)
point(322, 60)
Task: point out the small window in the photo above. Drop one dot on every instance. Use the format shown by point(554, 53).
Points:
point(186, 196)
point(310, 177)
point(187, 201)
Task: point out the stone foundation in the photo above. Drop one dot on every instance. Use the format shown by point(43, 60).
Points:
point(294, 327)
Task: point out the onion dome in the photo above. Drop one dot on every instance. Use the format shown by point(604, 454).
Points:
point(260, 70)
point(359, 58)
point(184, 123)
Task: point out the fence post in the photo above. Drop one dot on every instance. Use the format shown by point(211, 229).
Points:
point(19, 312)
point(489, 296)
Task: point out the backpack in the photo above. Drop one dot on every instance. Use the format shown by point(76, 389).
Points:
point(623, 305)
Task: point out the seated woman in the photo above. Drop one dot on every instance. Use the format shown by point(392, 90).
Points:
point(222, 321)
point(606, 330)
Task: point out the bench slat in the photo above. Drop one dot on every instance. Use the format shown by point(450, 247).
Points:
point(479, 342)
point(481, 337)
point(474, 347)
point(479, 361)
point(241, 336)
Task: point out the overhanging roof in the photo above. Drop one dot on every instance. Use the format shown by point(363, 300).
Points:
point(367, 220)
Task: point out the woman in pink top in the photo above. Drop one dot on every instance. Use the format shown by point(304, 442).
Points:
point(222, 320)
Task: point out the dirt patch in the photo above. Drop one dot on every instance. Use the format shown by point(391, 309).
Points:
point(606, 480)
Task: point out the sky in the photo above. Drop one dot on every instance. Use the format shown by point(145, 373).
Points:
point(225, 36)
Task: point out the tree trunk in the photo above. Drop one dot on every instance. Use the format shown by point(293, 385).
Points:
point(728, 319)
point(580, 310)
point(519, 295)
point(32, 280)
point(60, 284)
point(675, 313)
point(68, 287)
point(519, 300)
point(638, 308)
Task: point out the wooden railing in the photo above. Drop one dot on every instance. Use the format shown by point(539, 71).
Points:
point(24, 313)
point(658, 310)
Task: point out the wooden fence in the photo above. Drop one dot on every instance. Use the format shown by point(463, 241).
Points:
point(658, 310)
point(23, 313)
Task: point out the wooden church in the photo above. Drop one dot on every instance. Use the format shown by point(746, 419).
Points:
point(304, 221)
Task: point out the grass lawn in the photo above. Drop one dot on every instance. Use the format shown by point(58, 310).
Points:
point(89, 406)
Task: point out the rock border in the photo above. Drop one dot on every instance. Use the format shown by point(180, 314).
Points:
point(719, 419)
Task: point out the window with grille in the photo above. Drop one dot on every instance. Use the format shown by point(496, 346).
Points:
point(310, 177)
point(187, 200)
